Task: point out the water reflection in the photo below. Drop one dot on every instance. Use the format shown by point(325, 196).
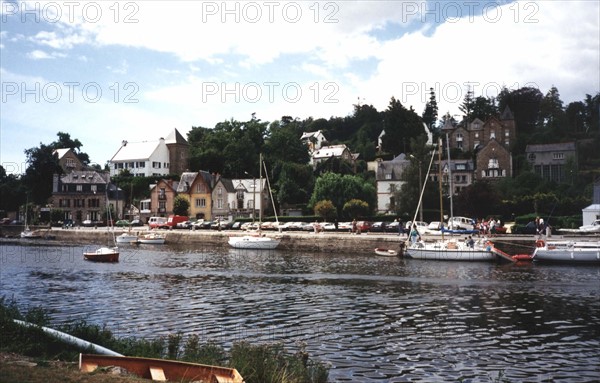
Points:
point(374, 319)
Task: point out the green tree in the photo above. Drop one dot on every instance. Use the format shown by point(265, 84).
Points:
point(430, 114)
point(325, 210)
point(181, 205)
point(552, 115)
point(400, 126)
point(355, 208)
point(42, 164)
point(340, 189)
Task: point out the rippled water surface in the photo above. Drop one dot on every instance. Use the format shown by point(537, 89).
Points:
point(373, 319)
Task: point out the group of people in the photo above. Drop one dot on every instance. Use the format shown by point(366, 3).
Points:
point(487, 227)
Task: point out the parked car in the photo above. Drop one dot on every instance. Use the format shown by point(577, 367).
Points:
point(137, 222)
point(183, 225)
point(461, 223)
point(530, 228)
point(87, 223)
point(123, 223)
point(237, 225)
point(363, 226)
point(420, 225)
point(380, 227)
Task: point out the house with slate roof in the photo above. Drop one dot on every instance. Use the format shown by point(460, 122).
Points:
point(198, 187)
point(160, 157)
point(553, 162)
point(82, 195)
point(388, 177)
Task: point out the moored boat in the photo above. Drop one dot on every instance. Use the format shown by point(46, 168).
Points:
point(253, 242)
point(161, 369)
point(567, 251)
point(103, 254)
point(127, 238)
point(452, 250)
point(152, 239)
point(386, 252)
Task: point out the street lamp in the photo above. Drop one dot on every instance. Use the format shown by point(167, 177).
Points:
point(420, 187)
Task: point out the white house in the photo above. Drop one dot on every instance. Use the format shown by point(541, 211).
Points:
point(152, 158)
point(388, 176)
point(334, 151)
point(146, 158)
point(313, 140)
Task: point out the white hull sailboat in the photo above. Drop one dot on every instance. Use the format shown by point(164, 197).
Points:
point(450, 249)
point(253, 242)
point(567, 251)
point(106, 253)
point(127, 238)
point(259, 240)
point(152, 239)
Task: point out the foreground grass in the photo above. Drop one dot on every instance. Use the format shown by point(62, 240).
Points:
point(263, 363)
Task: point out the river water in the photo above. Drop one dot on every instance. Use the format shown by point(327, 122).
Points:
point(372, 319)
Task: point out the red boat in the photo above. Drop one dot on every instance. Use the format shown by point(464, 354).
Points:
point(162, 369)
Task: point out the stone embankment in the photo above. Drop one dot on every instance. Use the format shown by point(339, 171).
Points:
point(325, 242)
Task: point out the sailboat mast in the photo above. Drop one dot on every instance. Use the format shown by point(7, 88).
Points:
point(440, 182)
point(450, 190)
point(261, 188)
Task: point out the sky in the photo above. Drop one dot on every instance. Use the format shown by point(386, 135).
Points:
point(108, 71)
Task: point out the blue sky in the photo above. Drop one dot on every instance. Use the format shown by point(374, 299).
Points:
point(107, 71)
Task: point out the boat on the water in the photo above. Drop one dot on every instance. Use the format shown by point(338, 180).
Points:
point(127, 238)
point(567, 251)
point(452, 250)
point(161, 369)
point(103, 254)
point(152, 239)
point(386, 252)
point(106, 253)
point(258, 241)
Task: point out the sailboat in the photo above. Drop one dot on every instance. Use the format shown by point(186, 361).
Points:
point(452, 249)
point(105, 254)
point(257, 240)
point(27, 233)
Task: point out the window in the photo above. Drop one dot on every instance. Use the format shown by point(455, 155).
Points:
point(461, 166)
point(492, 134)
point(200, 188)
point(219, 203)
point(558, 156)
point(94, 188)
point(200, 202)
point(507, 133)
point(531, 156)
point(79, 188)
point(219, 191)
point(388, 176)
point(493, 163)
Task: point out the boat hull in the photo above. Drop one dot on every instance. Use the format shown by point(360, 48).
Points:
point(450, 251)
point(567, 252)
point(252, 242)
point(152, 239)
point(103, 254)
point(127, 238)
point(386, 252)
point(161, 369)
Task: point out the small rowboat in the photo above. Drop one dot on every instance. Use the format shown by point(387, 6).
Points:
point(162, 369)
point(103, 254)
point(386, 252)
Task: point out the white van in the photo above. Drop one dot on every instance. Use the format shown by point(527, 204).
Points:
point(157, 222)
point(461, 223)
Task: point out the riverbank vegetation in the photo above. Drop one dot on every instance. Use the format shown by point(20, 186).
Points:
point(257, 363)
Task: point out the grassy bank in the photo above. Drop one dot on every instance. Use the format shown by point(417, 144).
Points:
point(262, 363)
